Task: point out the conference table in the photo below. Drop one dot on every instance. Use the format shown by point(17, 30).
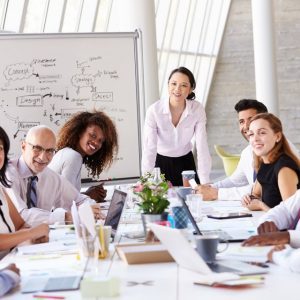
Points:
point(166, 281)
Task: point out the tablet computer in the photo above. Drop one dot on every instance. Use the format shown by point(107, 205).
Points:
point(229, 215)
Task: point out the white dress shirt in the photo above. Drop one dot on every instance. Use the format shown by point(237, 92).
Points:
point(68, 163)
point(160, 136)
point(241, 180)
point(55, 194)
point(288, 258)
point(284, 216)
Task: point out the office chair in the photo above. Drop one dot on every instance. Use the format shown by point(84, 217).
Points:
point(230, 161)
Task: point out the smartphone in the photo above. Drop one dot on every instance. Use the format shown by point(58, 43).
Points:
point(232, 215)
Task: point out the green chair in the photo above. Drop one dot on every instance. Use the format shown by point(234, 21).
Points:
point(230, 161)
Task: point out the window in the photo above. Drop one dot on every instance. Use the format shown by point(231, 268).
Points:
point(189, 32)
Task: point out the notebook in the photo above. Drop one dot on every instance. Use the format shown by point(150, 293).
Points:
point(228, 234)
point(53, 284)
point(187, 257)
point(115, 210)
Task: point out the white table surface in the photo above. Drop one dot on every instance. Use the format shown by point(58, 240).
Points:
point(166, 281)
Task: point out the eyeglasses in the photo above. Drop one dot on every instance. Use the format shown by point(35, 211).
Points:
point(39, 149)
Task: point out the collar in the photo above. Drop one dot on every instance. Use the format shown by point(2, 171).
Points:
point(187, 110)
point(23, 169)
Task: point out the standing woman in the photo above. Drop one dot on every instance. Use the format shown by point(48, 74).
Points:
point(277, 167)
point(169, 128)
point(88, 138)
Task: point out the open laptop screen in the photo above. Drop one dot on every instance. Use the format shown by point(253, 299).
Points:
point(115, 209)
point(225, 235)
point(188, 212)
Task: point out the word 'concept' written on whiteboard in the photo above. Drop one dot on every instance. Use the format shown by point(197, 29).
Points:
point(45, 78)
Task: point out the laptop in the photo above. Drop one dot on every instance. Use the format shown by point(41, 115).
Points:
point(53, 284)
point(226, 235)
point(184, 191)
point(115, 210)
point(187, 257)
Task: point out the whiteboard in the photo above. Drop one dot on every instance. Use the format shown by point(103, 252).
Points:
point(45, 78)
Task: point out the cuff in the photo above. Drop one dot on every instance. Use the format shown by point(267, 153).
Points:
point(280, 257)
point(203, 178)
point(294, 238)
point(14, 276)
point(58, 215)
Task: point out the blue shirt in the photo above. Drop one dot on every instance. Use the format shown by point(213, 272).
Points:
point(7, 282)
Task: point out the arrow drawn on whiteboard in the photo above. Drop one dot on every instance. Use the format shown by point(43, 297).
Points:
point(16, 120)
point(47, 95)
point(36, 74)
point(16, 134)
point(58, 114)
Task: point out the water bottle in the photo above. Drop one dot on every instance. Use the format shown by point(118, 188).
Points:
point(156, 176)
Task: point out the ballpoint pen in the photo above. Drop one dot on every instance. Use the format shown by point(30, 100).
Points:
point(48, 297)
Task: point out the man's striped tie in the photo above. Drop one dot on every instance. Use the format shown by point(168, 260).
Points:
point(31, 192)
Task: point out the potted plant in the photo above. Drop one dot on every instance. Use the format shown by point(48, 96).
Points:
point(152, 190)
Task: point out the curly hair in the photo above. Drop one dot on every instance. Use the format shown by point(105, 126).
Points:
point(69, 136)
point(281, 147)
point(6, 144)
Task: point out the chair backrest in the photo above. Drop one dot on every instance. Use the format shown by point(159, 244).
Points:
point(230, 161)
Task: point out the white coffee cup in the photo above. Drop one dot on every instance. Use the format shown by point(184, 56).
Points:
point(186, 176)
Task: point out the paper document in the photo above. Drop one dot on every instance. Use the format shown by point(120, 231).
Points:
point(48, 248)
point(243, 223)
point(248, 254)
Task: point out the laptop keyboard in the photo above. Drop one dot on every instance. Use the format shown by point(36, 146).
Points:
point(222, 234)
point(62, 283)
point(131, 218)
point(219, 268)
point(34, 284)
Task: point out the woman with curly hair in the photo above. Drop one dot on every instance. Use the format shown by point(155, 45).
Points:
point(88, 138)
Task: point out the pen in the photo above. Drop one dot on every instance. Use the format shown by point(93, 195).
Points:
point(48, 297)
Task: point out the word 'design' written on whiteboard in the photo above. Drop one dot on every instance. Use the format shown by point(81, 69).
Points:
point(45, 78)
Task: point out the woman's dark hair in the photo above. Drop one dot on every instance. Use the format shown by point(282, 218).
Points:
point(70, 134)
point(281, 147)
point(191, 77)
point(6, 144)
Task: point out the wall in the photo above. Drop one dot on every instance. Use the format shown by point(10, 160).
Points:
point(234, 74)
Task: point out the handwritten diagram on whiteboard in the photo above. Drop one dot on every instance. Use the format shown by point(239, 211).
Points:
point(44, 79)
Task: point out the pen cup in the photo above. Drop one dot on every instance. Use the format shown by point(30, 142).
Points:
point(87, 243)
point(104, 235)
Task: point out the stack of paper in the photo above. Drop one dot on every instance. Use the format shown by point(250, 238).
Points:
point(228, 279)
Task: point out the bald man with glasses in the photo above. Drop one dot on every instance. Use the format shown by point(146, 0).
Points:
point(40, 194)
